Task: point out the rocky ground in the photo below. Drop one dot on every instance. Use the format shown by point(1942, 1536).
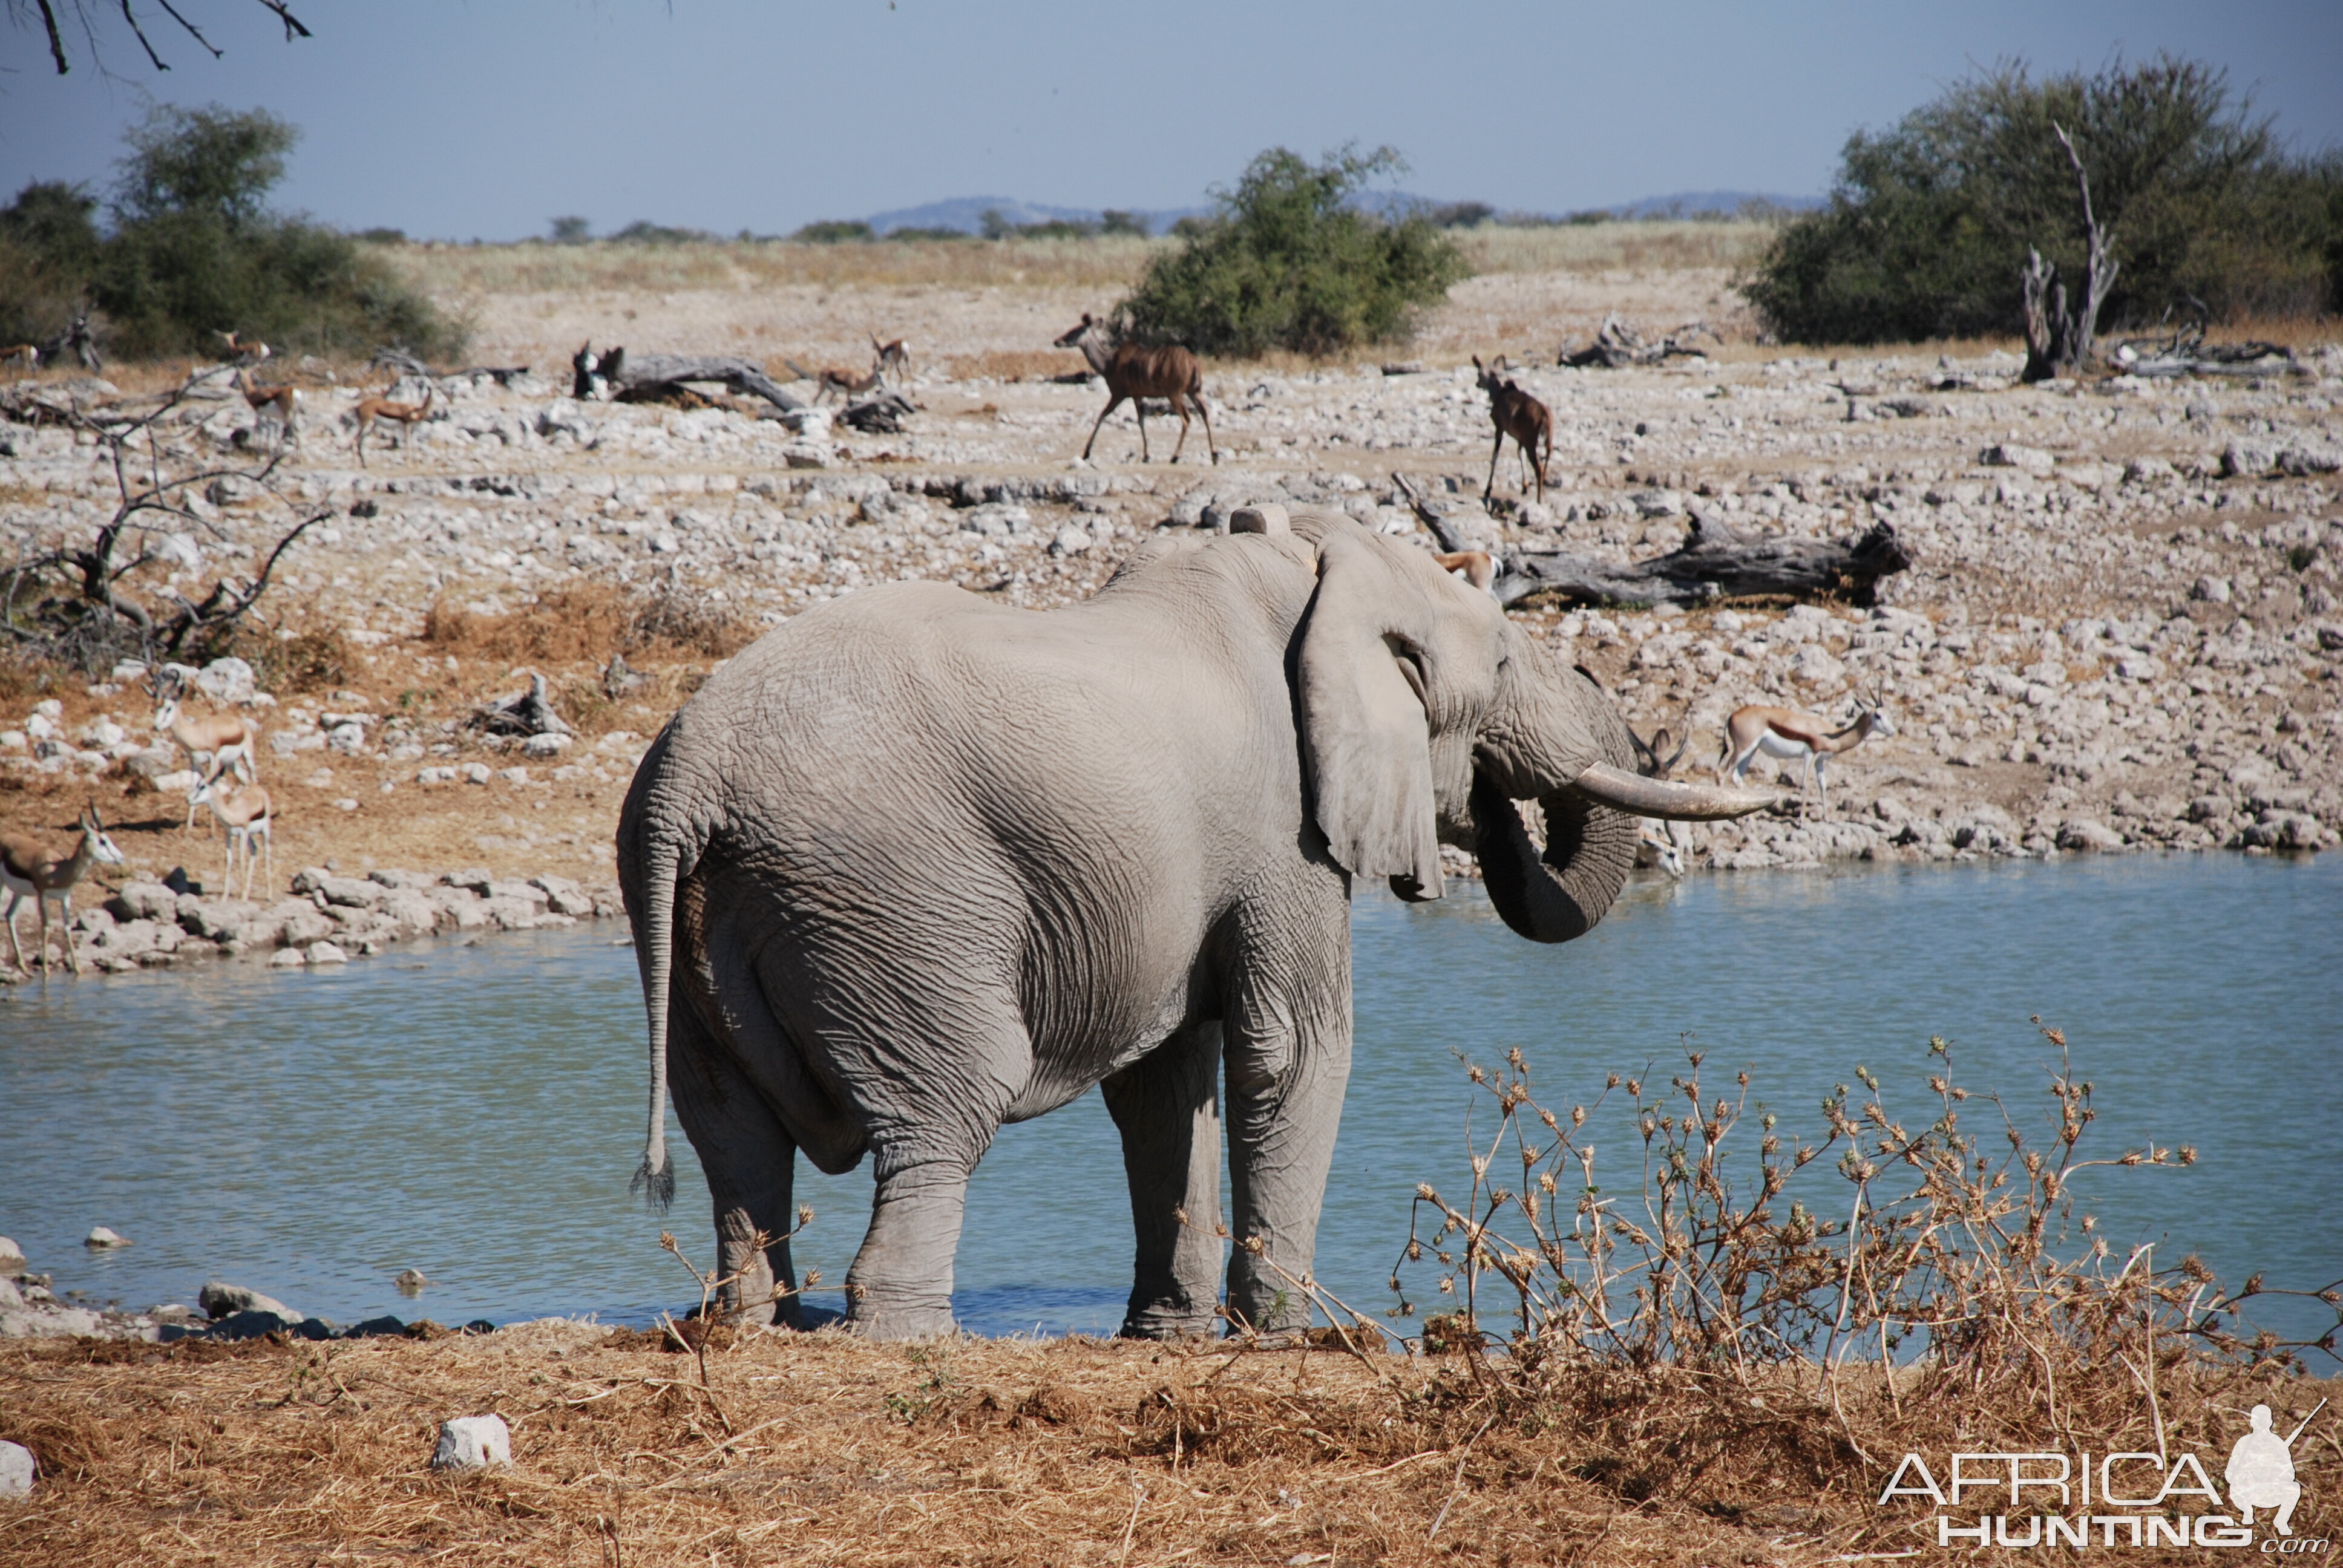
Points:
point(2121, 630)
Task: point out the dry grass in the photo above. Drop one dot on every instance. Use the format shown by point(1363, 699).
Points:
point(1656, 247)
point(1015, 363)
point(825, 1449)
point(531, 269)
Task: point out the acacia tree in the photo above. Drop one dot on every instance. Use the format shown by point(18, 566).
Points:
point(1931, 221)
point(1290, 261)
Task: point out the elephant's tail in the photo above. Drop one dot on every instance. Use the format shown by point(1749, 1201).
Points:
point(655, 1177)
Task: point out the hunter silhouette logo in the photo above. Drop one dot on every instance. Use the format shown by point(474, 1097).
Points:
point(2087, 1500)
point(2261, 1471)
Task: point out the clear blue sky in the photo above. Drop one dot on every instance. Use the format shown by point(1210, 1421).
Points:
point(488, 117)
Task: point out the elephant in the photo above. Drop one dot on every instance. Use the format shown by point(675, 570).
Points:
point(915, 864)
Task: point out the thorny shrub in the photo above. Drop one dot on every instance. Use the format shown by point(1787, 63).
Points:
point(588, 622)
point(1961, 1260)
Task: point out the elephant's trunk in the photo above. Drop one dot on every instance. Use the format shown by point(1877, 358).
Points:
point(1560, 895)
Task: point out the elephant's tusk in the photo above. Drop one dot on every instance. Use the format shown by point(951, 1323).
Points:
point(1674, 802)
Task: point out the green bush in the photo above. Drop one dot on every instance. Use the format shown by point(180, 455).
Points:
point(1290, 263)
point(48, 248)
point(1930, 222)
point(833, 231)
point(195, 252)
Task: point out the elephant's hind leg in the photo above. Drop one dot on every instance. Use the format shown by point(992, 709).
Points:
point(1167, 1106)
point(751, 1163)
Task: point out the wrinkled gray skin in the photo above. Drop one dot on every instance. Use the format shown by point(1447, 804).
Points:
point(916, 865)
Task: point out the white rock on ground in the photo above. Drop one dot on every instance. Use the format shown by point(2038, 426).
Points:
point(100, 1236)
point(473, 1442)
point(12, 1258)
point(15, 1470)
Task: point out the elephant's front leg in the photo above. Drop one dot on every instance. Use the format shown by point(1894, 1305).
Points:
point(1167, 1106)
point(1288, 1061)
point(900, 1285)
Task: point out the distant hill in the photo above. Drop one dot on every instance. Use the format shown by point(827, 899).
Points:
point(966, 214)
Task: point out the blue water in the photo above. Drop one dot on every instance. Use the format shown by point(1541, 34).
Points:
point(473, 1111)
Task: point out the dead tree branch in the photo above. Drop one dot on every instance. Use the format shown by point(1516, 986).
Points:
point(2059, 336)
point(154, 486)
point(1617, 346)
point(614, 370)
point(1714, 562)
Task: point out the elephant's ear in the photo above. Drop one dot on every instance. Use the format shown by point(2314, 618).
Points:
point(1358, 681)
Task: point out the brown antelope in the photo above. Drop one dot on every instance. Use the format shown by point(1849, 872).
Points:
point(245, 813)
point(835, 379)
point(1475, 566)
point(1658, 843)
point(1516, 414)
point(379, 406)
point(30, 353)
point(29, 871)
point(891, 357)
point(284, 400)
point(226, 739)
point(1793, 736)
point(1138, 374)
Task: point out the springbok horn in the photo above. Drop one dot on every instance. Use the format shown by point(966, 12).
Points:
point(1674, 803)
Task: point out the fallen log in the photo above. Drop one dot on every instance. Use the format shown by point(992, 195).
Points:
point(882, 414)
point(524, 714)
point(1617, 346)
point(617, 369)
point(1715, 563)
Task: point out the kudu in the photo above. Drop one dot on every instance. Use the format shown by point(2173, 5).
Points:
point(27, 870)
point(1793, 736)
point(1137, 374)
point(1516, 414)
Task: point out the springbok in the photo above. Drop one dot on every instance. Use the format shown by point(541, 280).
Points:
point(891, 357)
point(1516, 414)
point(1658, 843)
point(286, 400)
point(30, 353)
point(227, 739)
point(1788, 734)
point(243, 353)
point(1475, 566)
point(246, 814)
point(29, 871)
point(837, 379)
point(1138, 374)
point(379, 406)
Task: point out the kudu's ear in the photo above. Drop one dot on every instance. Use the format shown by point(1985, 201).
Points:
point(1359, 682)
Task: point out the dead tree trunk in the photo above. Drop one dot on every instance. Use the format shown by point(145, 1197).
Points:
point(618, 369)
point(2059, 336)
point(1714, 563)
